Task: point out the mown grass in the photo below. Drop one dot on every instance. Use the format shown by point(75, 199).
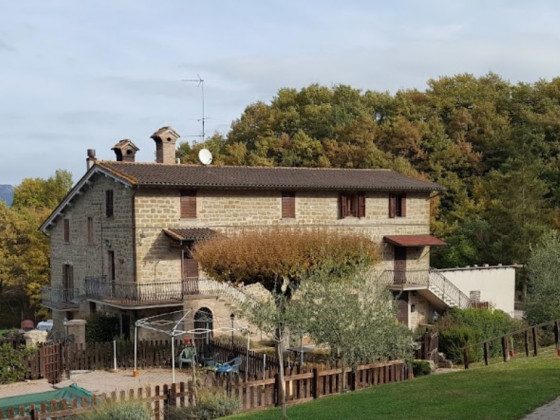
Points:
point(505, 391)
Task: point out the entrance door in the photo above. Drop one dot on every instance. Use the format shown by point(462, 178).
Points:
point(203, 322)
point(400, 265)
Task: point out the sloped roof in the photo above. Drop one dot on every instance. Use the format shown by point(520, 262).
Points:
point(243, 177)
point(408, 241)
point(189, 234)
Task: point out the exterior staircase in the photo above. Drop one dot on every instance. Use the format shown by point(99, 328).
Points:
point(431, 281)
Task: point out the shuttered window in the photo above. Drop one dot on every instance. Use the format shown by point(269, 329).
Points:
point(397, 205)
point(109, 203)
point(66, 230)
point(188, 204)
point(90, 230)
point(352, 205)
point(288, 204)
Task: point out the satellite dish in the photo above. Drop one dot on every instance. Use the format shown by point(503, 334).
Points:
point(205, 156)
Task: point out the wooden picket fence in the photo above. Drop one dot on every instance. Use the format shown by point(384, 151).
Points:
point(302, 384)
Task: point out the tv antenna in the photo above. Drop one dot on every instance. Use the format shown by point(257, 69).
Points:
point(200, 82)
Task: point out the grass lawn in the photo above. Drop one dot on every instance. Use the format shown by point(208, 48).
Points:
point(505, 391)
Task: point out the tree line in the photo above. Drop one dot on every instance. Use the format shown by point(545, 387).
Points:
point(492, 144)
point(24, 251)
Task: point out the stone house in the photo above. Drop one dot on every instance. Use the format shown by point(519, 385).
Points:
point(121, 239)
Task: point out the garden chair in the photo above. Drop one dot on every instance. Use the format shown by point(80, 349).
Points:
point(188, 356)
point(231, 367)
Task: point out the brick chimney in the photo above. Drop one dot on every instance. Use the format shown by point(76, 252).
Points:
point(165, 139)
point(90, 161)
point(125, 151)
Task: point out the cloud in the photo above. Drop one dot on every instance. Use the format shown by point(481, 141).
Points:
point(6, 47)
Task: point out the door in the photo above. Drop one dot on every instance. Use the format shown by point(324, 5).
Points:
point(190, 272)
point(400, 265)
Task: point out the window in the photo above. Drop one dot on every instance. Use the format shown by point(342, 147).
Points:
point(67, 276)
point(109, 203)
point(111, 265)
point(66, 230)
point(288, 204)
point(90, 230)
point(397, 205)
point(188, 204)
point(352, 205)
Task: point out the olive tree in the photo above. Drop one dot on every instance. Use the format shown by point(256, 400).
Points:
point(281, 260)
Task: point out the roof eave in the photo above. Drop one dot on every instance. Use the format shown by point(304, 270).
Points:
point(82, 183)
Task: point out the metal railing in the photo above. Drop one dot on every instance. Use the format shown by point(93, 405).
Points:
point(59, 297)
point(436, 282)
point(449, 292)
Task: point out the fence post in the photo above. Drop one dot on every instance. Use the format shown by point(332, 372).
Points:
point(535, 342)
point(504, 348)
point(276, 390)
point(485, 346)
point(315, 384)
point(466, 357)
point(526, 342)
point(556, 335)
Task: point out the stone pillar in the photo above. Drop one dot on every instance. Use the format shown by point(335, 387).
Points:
point(34, 337)
point(77, 328)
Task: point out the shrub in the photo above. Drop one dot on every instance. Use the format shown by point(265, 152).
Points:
point(101, 327)
point(452, 339)
point(12, 363)
point(421, 367)
point(460, 327)
point(212, 404)
point(130, 410)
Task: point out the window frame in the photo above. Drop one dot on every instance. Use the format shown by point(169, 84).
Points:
point(90, 231)
point(188, 204)
point(397, 205)
point(66, 231)
point(109, 203)
point(288, 205)
point(352, 204)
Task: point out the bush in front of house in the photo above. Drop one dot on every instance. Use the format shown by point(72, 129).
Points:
point(13, 362)
point(461, 327)
point(129, 410)
point(212, 404)
point(101, 328)
point(421, 368)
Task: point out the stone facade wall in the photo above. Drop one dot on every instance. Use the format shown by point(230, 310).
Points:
point(228, 211)
point(109, 234)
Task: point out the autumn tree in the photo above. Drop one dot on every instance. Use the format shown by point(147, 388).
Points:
point(280, 260)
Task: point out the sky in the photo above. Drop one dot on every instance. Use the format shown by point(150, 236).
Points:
point(78, 75)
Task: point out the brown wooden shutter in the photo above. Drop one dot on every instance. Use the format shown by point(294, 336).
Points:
point(190, 268)
point(392, 205)
point(66, 230)
point(188, 204)
point(361, 205)
point(288, 204)
point(403, 205)
point(343, 206)
point(109, 203)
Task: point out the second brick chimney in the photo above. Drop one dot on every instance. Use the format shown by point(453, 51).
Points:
point(165, 139)
point(125, 151)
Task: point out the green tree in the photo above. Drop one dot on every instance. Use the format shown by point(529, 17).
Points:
point(543, 272)
point(40, 194)
point(280, 260)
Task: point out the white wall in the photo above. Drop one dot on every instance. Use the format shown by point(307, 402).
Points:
point(495, 283)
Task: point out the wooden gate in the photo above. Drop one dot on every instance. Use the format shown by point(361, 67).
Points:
point(50, 356)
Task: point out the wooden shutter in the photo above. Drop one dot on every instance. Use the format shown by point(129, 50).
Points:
point(403, 205)
point(361, 205)
point(188, 204)
point(343, 206)
point(190, 268)
point(288, 204)
point(109, 203)
point(66, 230)
point(392, 205)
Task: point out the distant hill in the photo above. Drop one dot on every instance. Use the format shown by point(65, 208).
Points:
point(7, 194)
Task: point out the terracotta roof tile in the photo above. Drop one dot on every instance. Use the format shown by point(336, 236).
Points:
point(243, 177)
point(189, 234)
point(413, 240)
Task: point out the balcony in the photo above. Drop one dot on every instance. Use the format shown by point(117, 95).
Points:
point(58, 298)
point(406, 279)
point(140, 295)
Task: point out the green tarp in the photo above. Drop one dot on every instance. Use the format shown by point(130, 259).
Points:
point(68, 393)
